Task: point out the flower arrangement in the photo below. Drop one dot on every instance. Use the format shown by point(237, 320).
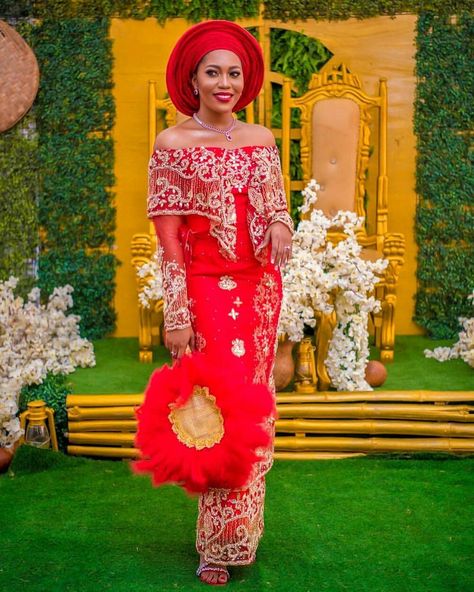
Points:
point(326, 277)
point(35, 339)
point(463, 348)
point(152, 291)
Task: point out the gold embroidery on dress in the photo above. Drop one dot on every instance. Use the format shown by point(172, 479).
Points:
point(200, 180)
point(279, 217)
point(238, 347)
point(199, 341)
point(198, 423)
point(176, 312)
point(192, 315)
point(266, 305)
point(227, 283)
point(230, 524)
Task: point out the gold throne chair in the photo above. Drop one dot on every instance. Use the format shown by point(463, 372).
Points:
point(335, 144)
point(144, 245)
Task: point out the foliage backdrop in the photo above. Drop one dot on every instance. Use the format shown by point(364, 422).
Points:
point(75, 116)
point(444, 119)
point(71, 174)
point(18, 207)
point(195, 10)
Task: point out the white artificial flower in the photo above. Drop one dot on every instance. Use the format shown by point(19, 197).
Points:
point(35, 339)
point(463, 348)
point(324, 277)
point(152, 292)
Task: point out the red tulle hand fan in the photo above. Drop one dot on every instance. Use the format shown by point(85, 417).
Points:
point(200, 429)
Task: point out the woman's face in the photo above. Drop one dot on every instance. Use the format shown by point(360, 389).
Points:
point(219, 80)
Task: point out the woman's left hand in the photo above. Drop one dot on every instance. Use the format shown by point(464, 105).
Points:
point(280, 237)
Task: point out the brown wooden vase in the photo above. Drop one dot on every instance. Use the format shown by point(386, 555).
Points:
point(375, 373)
point(5, 459)
point(284, 369)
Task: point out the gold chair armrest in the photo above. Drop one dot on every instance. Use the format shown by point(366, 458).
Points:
point(369, 242)
point(143, 246)
point(394, 245)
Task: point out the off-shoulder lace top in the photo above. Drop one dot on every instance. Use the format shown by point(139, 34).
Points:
point(203, 180)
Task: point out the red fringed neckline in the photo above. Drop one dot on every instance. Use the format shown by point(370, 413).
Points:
point(250, 148)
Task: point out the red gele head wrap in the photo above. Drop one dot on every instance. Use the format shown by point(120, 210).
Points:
point(195, 44)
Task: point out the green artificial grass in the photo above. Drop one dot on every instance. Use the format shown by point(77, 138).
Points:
point(119, 371)
point(410, 369)
point(359, 524)
point(117, 368)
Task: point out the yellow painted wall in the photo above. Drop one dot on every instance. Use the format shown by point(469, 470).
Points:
point(141, 50)
point(370, 48)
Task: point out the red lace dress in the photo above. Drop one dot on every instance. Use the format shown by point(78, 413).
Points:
point(211, 208)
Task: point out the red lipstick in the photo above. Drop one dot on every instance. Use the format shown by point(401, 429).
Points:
point(223, 97)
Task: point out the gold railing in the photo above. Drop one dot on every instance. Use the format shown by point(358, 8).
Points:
point(317, 426)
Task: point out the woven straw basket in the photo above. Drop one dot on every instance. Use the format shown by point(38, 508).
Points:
point(19, 74)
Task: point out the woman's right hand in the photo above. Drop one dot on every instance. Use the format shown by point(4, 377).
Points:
point(178, 341)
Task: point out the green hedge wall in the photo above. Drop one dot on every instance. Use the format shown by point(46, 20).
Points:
point(194, 10)
point(18, 209)
point(444, 119)
point(75, 116)
point(344, 9)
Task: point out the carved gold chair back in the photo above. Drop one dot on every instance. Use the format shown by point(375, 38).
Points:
point(335, 145)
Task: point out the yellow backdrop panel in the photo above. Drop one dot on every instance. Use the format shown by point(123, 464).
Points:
point(370, 48)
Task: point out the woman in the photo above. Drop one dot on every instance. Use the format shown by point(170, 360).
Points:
point(217, 202)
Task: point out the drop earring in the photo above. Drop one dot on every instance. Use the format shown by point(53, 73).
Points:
point(195, 91)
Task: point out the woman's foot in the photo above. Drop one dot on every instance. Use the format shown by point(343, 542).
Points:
point(210, 573)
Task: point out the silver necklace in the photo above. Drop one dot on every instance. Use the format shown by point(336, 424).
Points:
point(226, 132)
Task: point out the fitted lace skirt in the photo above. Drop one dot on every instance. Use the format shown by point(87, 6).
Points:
point(235, 308)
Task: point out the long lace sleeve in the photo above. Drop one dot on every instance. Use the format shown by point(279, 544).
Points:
point(275, 197)
point(176, 311)
point(267, 191)
point(267, 196)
